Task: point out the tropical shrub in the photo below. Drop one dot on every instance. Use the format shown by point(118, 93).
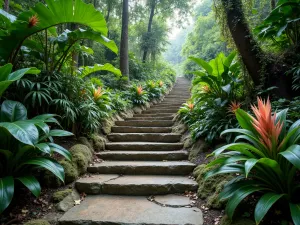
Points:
point(154, 90)
point(137, 95)
point(266, 159)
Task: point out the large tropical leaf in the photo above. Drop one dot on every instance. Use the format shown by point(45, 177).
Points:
point(53, 13)
point(12, 111)
point(295, 212)
point(32, 184)
point(60, 150)
point(87, 70)
point(6, 192)
point(264, 204)
point(292, 154)
point(203, 64)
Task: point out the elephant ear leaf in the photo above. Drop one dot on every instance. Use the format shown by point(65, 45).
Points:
point(6, 192)
point(12, 111)
point(32, 184)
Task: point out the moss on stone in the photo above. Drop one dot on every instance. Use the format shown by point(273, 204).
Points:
point(106, 125)
point(81, 162)
point(60, 195)
point(198, 147)
point(180, 129)
point(86, 142)
point(81, 149)
point(98, 142)
point(241, 221)
point(37, 222)
point(188, 141)
point(71, 173)
point(213, 201)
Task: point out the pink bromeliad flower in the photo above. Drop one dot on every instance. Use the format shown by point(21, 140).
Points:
point(265, 124)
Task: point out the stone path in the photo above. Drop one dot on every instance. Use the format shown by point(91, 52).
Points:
point(144, 171)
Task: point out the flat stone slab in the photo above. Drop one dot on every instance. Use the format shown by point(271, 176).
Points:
point(173, 200)
point(143, 146)
point(121, 210)
point(144, 137)
point(145, 123)
point(129, 129)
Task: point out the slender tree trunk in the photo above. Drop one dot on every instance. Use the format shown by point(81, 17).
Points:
point(75, 56)
point(273, 4)
point(124, 64)
point(153, 5)
point(248, 48)
point(6, 5)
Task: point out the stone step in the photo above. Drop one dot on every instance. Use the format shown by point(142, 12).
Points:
point(147, 123)
point(151, 111)
point(135, 185)
point(162, 107)
point(154, 115)
point(144, 137)
point(134, 210)
point(128, 129)
point(138, 117)
point(143, 155)
point(143, 146)
point(143, 167)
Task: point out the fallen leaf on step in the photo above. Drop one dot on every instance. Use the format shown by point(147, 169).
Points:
point(77, 202)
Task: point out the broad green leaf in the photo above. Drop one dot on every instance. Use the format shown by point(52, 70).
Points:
point(53, 167)
point(245, 120)
point(43, 147)
point(5, 71)
point(243, 148)
point(87, 70)
point(203, 64)
point(228, 168)
point(60, 133)
point(12, 111)
point(264, 204)
point(230, 59)
point(295, 212)
point(8, 154)
point(292, 154)
point(270, 163)
point(227, 88)
point(60, 150)
point(7, 188)
point(230, 188)
point(32, 184)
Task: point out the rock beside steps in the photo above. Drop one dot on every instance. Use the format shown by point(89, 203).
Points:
point(144, 172)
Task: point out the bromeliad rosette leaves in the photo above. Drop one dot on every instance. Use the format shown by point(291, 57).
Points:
point(266, 157)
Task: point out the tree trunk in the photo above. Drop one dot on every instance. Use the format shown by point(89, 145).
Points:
point(273, 4)
point(153, 5)
point(75, 56)
point(6, 5)
point(124, 64)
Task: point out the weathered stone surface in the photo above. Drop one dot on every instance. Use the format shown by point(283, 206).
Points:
point(151, 111)
point(60, 195)
point(137, 110)
point(241, 221)
point(128, 210)
point(180, 129)
point(127, 129)
point(173, 200)
point(127, 114)
point(145, 123)
point(82, 156)
point(199, 146)
point(68, 202)
point(143, 146)
point(93, 185)
point(106, 125)
point(85, 141)
point(98, 142)
point(145, 137)
point(82, 149)
point(37, 222)
point(169, 118)
point(154, 115)
point(188, 141)
point(143, 167)
point(143, 155)
point(53, 217)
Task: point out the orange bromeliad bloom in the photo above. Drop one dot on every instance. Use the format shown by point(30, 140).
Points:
point(161, 83)
point(139, 90)
point(265, 124)
point(206, 89)
point(234, 105)
point(98, 93)
point(33, 21)
point(190, 105)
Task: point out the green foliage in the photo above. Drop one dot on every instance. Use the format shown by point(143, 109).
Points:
point(266, 157)
point(293, 106)
point(154, 90)
point(137, 95)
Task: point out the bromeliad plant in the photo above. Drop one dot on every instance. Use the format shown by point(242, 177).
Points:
point(266, 159)
point(138, 95)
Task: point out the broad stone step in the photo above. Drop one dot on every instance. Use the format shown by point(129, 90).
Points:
point(145, 137)
point(142, 123)
point(143, 155)
point(135, 185)
point(151, 111)
point(134, 210)
point(150, 118)
point(168, 105)
point(154, 115)
point(127, 129)
point(143, 167)
point(143, 146)
point(162, 107)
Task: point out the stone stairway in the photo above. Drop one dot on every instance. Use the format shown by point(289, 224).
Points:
point(143, 158)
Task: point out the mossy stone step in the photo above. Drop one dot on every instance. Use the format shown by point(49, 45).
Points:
point(132, 129)
point(143, 167)
point(144, 137)
point(147, 123)
point(151, 118)
point(135, 185)
point(143, 155)
point(151, 111)
point(143, 146)
point(154, 115)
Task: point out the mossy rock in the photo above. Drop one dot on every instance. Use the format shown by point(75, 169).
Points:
point(214, 201)
point(188, 141)
point(98, 142)
point(37, 222)
point(60, 195)
point(81, 162)
point(71, 173)
point(86, 142)
point(81, 149)
point(241, 221)
point(198, 147)
point(107, 125)
point(180, 129)
point(51, 181)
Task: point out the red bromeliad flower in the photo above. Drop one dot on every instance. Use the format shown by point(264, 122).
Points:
point(265, 124)
point(234, 105)
point(139, 90)
point(98, 93)
point(33, 21)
